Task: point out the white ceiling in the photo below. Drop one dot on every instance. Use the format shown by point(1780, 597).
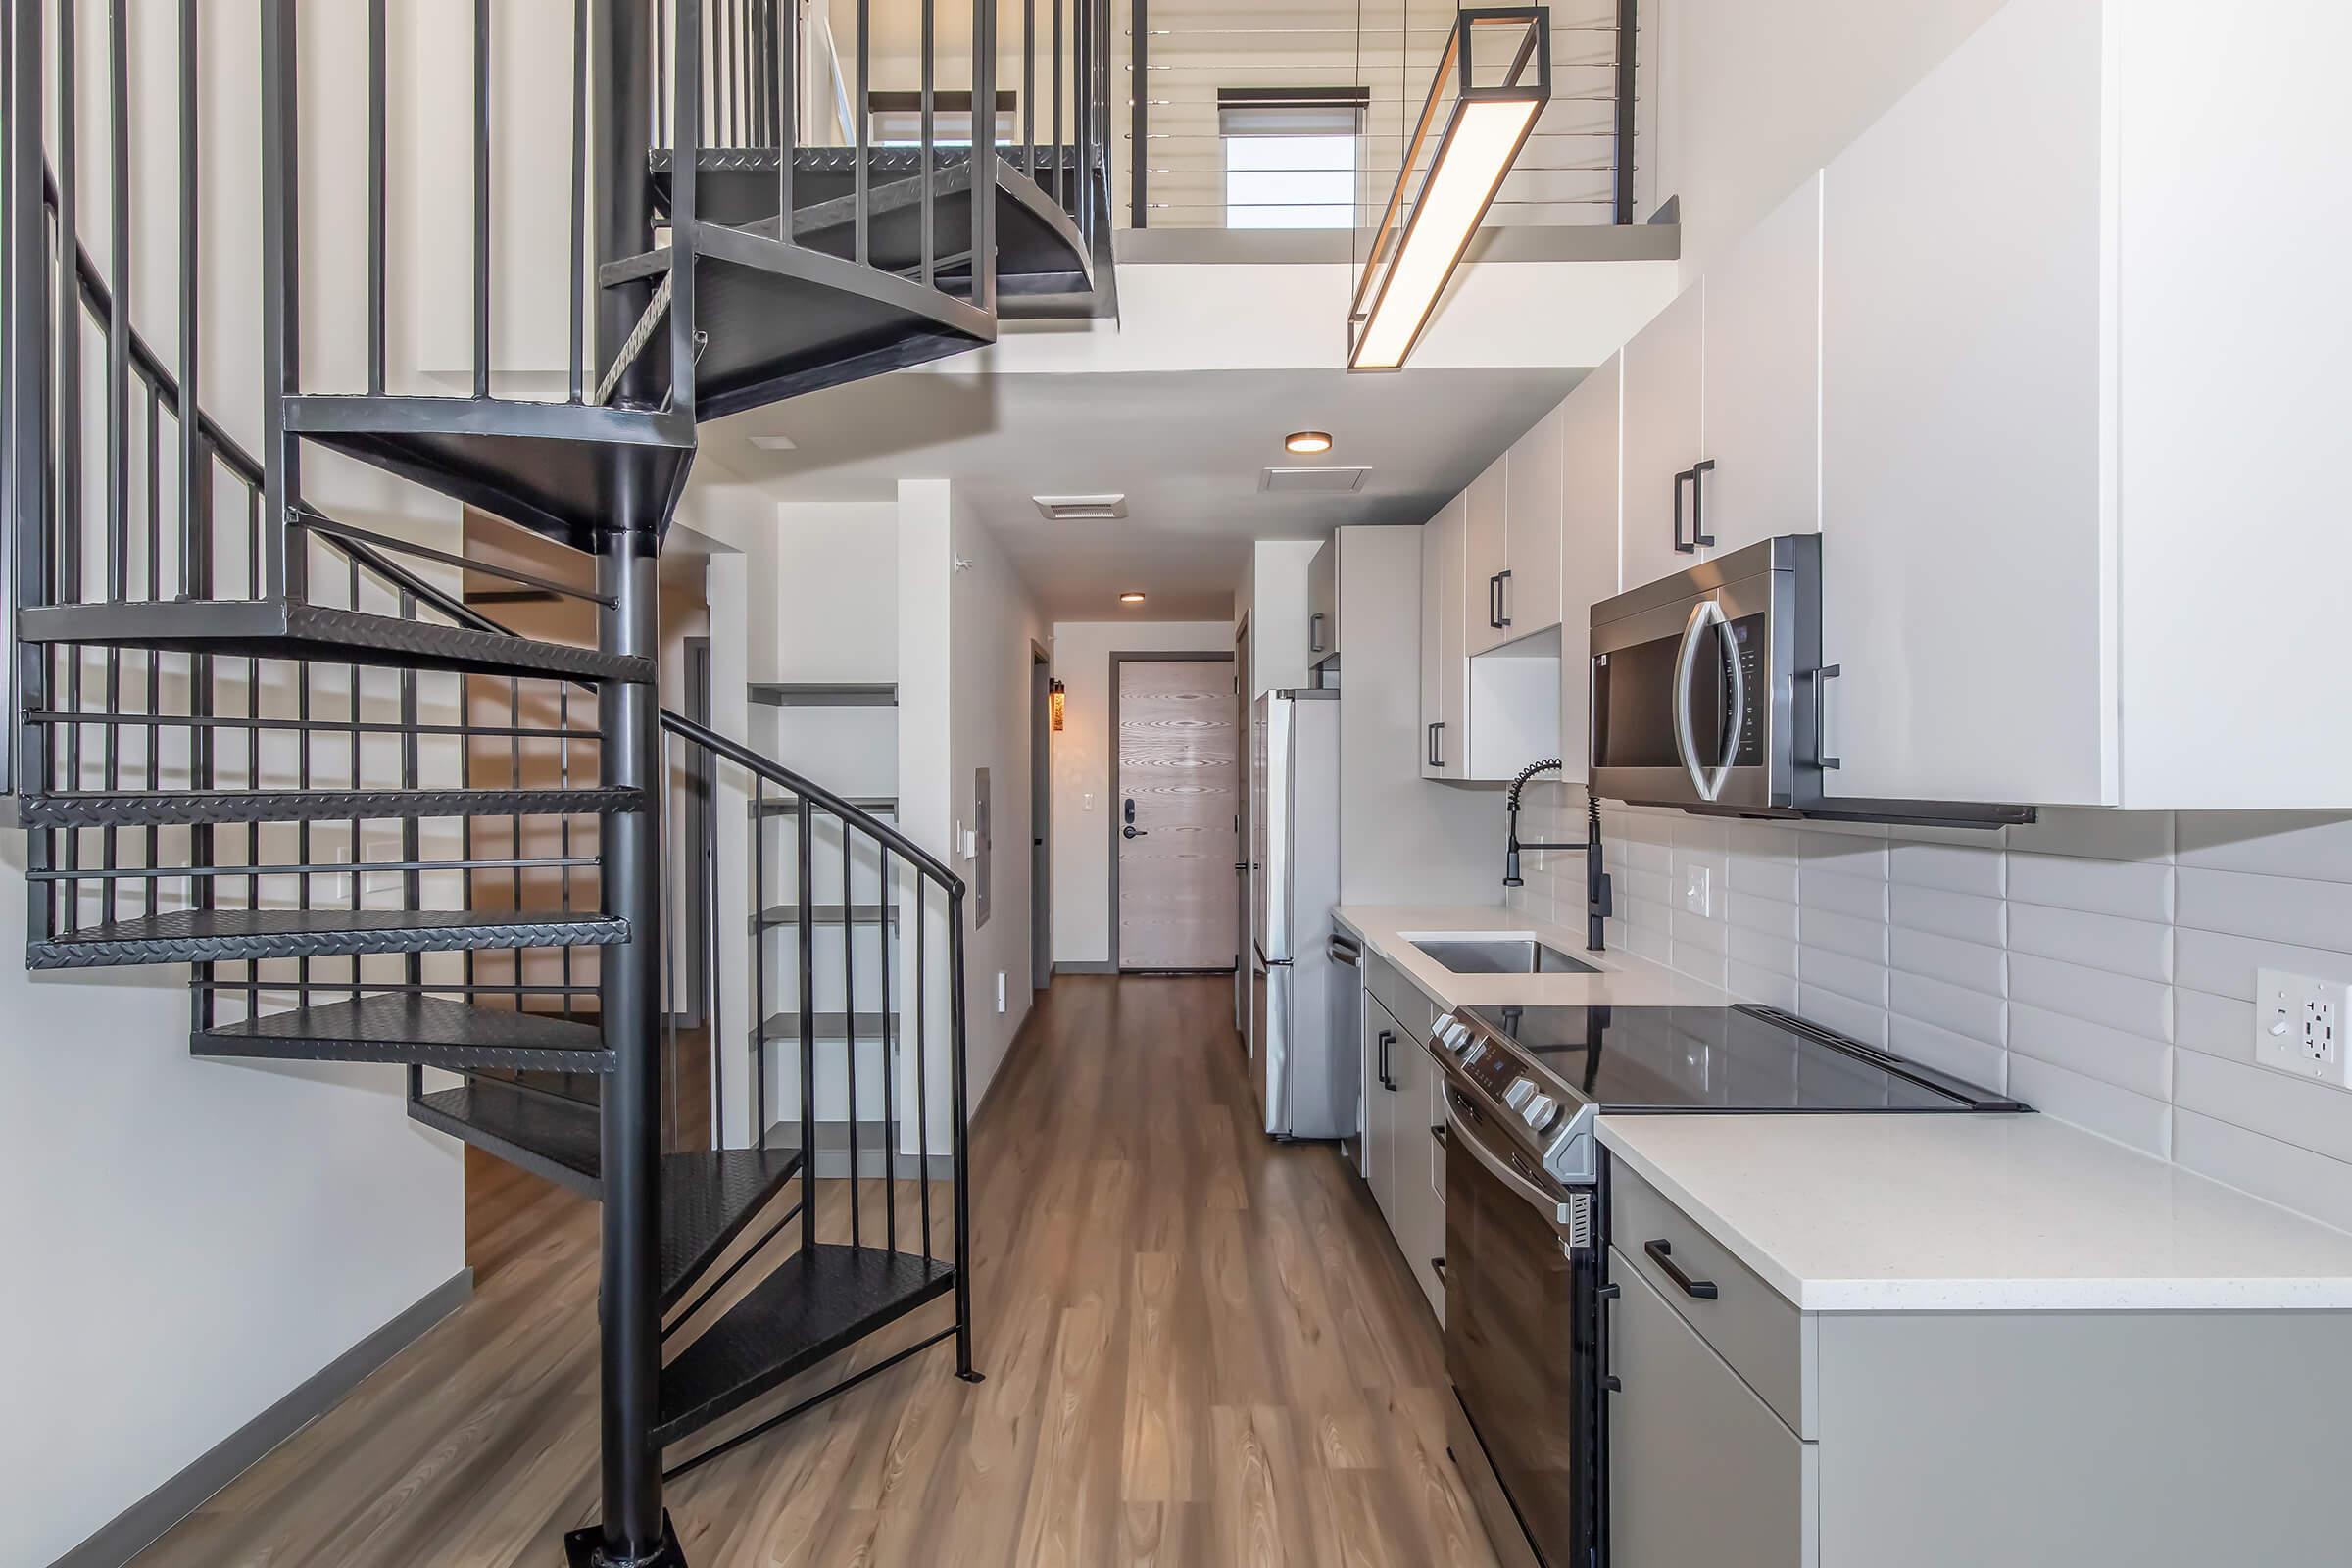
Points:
point(1187, 448)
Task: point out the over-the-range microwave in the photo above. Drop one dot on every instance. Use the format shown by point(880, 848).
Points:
point(1706, 695)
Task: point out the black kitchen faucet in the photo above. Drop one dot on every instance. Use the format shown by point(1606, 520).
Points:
point(1597, 901)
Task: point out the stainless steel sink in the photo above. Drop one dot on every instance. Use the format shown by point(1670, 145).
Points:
point(1503, 955)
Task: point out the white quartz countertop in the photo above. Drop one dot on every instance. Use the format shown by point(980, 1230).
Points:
point(1391, 930)
point(1868, 1213)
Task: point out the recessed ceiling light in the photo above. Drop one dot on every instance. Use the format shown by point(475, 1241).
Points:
point(1307, 442)
point(775, 443)
point(1131, 597)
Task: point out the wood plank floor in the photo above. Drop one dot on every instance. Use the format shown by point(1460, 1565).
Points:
point(1200, 1348)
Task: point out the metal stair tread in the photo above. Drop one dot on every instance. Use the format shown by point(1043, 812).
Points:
point(421, 1030)
point(815, 1304)
point(171, 808)
point(199, 936)
point(707, 1197)
point(562, 469)
point(535, 1131)
point(274, 628)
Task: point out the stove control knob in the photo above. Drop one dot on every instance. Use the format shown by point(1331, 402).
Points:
point(1458, 1034)
point(1541, 1111)
point(1477, 1049)
point(1521, 1091)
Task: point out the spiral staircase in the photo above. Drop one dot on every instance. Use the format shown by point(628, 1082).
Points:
point(376, 826)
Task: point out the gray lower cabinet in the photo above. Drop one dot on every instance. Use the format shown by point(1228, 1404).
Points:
point(1403, 1162)
point(1700, 1471)
point(1746, 1433)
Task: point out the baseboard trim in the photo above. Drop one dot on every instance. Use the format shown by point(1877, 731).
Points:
point(144, 1522)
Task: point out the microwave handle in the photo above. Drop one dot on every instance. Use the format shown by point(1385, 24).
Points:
point(1734, 715)
point(1707, 782)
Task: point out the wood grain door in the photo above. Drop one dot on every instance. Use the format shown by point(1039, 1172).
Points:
point(1180, 788)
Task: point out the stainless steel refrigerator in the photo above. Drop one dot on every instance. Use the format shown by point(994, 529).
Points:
point(1305, 1075)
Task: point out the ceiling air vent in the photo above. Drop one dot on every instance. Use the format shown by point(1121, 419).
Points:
point(1081, 508)
point(1312, 481)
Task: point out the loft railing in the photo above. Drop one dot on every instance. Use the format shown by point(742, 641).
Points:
point(1304, 117)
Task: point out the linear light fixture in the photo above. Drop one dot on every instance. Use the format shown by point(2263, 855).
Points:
point(1485, 128)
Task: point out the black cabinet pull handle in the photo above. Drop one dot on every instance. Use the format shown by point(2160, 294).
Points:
point(1387, 1038)
point(1821, 679)
point(1437, 752)
point(1502, 601)
point(1661, 1253)
point(1315, 632)
point(1681, 546)
point(1698, 503)
point(1439, 1133)
point(1436, 1266)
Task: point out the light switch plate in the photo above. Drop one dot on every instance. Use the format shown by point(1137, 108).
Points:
point(2299, 1026)
point(1698, 889)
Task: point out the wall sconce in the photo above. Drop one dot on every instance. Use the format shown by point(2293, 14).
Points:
point(1055, 692)
point(1486, 125)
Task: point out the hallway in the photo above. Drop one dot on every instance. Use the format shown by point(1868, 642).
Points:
point(1199, 1351)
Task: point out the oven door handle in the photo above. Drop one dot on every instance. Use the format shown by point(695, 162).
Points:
point(1708, 782)
point(1554, 1207)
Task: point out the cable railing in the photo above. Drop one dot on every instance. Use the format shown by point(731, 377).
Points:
point(1288, 120)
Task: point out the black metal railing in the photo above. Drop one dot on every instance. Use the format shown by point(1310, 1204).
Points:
point(1189, 165)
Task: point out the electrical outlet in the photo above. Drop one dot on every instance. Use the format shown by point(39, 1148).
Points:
point(2299, 1026)
point(1698, 889)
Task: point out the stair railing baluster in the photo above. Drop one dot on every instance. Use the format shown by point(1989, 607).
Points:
point(862, 107)
point(26, 330)
point(481, 197)
point(562, 824)
point(806, 877)
point(667, 796)
point(848, 1006)
point(930, 238)
point(62, 899)
point(922, 1056)
point(957, 1137)
point(1061, 192)
point(376, 66)
point(886, 902)
point(984, 154)
point(577, 354)
point(788, 128)
point(1029, 87)
point(759, 965)
point(118, 319)
point(411, 832)
point(282, 298)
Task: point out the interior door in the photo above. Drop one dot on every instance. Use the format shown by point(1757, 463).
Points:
point(1180, 787)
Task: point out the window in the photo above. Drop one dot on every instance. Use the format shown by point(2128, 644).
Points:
point(1291, 155)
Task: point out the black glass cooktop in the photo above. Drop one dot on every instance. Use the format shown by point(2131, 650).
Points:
point(1746, 1057)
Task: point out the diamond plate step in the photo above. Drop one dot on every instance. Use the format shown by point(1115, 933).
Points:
point(160, 809)
point(270, 629)
point(538, 1133)
point(813, 1304)
point(211, 935)
point(422, 1031)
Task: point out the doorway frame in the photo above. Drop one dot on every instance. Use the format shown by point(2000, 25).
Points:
point(1111, 759)
point(1041, 817)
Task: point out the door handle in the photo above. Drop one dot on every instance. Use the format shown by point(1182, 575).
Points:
point(1821, 679)
point(1503, 600)
point(1661, 1253)
point(1315, 632)
point(1134, 832)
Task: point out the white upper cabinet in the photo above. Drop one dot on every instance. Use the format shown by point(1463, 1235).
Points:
point(1664, 368)
point(1486, 547)
point(1762, 394)
point(1444, 665)
point(1530, 594)
point(1968, 525)
point(1588, 438)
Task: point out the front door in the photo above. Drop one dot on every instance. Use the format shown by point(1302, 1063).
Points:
point(1180, 786)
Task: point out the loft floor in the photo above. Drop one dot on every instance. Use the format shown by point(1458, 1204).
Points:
point(1201, 1350)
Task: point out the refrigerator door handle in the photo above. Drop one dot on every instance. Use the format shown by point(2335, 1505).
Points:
point(1265, 962)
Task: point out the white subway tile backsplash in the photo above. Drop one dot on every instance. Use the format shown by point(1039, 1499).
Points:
point(2121, 1001)
point(2307, 844)
point(2098, 965)
point(1964, 915)
point(2100, 941)
point(2282, 909)
point(2137, 1062)
point(1953, 867)
point(2139, 890)
point(2143, 1123)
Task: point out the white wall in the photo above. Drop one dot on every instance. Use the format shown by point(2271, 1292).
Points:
point(1086, 762)
point(1753, 98)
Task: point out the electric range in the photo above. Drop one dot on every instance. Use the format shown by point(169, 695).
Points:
point(1526, 1219)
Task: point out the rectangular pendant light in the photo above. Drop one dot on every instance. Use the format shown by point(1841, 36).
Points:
point(1485, 129)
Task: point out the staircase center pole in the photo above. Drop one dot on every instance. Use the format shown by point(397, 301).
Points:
point(634, 1531)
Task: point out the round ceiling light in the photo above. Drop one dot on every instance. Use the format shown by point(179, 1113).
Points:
point(1306, 443)
point(1131, 597)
